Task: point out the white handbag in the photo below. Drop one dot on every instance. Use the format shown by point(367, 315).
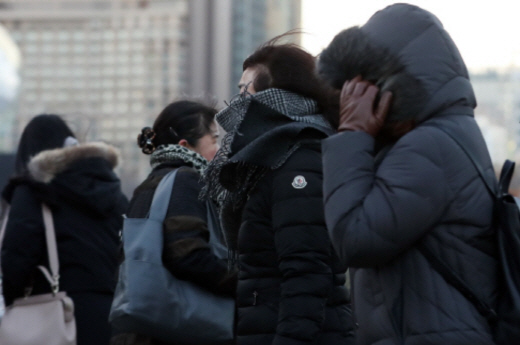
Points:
point(46, 319)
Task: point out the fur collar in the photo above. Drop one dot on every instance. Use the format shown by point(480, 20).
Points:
point(47, 164)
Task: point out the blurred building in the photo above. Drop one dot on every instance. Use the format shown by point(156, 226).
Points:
point(7, 161)
point(255, 22)
point(498, 111)
point(110, 66)
point(498, 115)
point(9, 86)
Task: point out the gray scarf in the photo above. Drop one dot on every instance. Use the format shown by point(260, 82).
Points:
point(168, 153)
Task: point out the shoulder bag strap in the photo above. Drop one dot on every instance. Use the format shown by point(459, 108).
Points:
point(50, 236)
point(5, 209)
point(216, 235)
point(217, 240)
point(161, 197)
point(441, 267)
point(472, 158)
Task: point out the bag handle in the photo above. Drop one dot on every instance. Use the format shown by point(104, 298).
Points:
point(161, 197)
point(215, 231)
point(5, 211)
point(161, 201)
point(53, 277)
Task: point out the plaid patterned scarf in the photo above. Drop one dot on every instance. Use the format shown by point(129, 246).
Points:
point(263, 131)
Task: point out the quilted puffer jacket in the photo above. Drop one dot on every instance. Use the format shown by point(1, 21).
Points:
point(384, 197)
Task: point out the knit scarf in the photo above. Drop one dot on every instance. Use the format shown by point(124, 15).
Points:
point(168, 153)
point(264, 130)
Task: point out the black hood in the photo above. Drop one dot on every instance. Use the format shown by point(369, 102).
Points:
point(403, 49)
point(80, 175)
point(90, 183)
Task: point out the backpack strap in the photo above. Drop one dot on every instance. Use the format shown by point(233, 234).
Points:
point(452, 278)
point(442, 268)
point(505, 177)
point(473, 159)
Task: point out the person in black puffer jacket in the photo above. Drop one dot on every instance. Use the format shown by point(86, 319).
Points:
point(184, 137)
point(268, 179)
point(78, 184)
point(394, 185)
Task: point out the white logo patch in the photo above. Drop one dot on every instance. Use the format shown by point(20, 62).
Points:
point(299, 182)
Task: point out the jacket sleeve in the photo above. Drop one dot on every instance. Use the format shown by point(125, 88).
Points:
point(24, 244)
point(374, 214)
point(186, 252)
point(304, 252)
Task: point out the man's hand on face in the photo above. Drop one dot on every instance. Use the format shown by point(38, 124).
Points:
point(358, 111)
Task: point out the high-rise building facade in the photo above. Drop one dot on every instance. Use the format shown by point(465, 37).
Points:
point(257, 21)
point(110, 66)
point(498, 111)
point(9, 87)
point(498, 114)
point(107, 66)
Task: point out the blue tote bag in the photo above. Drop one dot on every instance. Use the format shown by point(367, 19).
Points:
point(150, 301)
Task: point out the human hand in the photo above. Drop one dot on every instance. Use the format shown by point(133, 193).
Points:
point(358, 111)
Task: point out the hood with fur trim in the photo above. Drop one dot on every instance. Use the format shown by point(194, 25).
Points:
point(82, 175)
point(47, 164)
point(403, 49)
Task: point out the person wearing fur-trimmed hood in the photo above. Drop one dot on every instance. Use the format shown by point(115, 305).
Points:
point(78, 184)
point(268, 179)
point(396, 185)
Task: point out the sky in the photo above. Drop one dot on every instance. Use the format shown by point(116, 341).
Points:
point(487, 33)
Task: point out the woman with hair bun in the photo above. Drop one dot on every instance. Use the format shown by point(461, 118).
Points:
point(184, 137)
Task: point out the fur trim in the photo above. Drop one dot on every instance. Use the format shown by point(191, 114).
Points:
point(47, 164)
point(352, 53)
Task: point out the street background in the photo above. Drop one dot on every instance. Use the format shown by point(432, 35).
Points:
point(110, 66)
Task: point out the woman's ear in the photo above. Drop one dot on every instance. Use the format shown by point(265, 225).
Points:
point(184, 142)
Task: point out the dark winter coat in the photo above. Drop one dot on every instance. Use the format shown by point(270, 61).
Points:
point(291, 288)
point(186, 252)
point(87, 204)
point(381, 202)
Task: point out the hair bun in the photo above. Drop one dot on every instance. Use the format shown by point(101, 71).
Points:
point(145, 140)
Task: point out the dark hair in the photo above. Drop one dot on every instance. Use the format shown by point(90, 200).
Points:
point(289, 67)
point(352, 53)
point(43, 132)
point(187, 120)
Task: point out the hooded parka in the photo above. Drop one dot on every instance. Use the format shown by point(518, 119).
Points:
point(384, 197)
point(84, 195)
